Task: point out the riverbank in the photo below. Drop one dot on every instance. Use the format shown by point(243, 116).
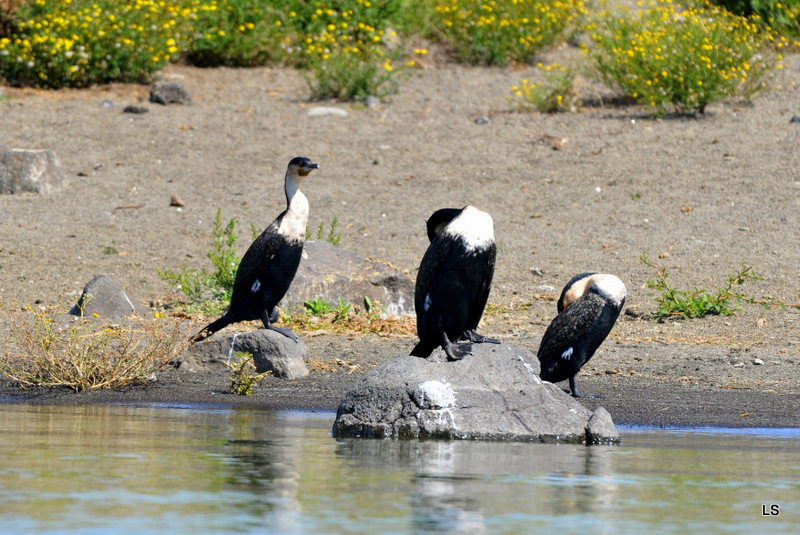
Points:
point(703, 196)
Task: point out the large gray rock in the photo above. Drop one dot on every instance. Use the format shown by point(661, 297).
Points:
point(330, 272)
point(103, 296)
point(30, 171)
point(271, 351)
point(494, 394)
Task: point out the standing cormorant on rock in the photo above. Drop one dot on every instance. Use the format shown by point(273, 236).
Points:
point(587, 310)
point(453, 282)
point(271, 261)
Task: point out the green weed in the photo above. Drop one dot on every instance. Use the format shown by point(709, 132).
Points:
point(332, 237)
point(243, 374)
point(555, 94)
point(215, 287)
point(698, 302)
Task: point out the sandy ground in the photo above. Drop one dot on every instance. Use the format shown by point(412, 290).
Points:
point(707, 194)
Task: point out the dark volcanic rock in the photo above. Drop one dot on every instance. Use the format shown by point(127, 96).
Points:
point(330, 272)
point(271, 351)
point(105, 297)
point(33, 171)
point(494, 394)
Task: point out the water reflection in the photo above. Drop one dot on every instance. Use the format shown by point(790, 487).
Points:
point(448, 477)
point(123, 469)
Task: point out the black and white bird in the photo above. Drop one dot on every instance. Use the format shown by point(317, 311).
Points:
point(587, 310)
point(270, 263)
point(453, 281)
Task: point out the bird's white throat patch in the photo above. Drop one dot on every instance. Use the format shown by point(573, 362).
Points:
point(294, 222)
point(474, 227)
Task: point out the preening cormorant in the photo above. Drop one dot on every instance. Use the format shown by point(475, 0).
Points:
point(271, 261)
point(453, 281)
point(587, 310)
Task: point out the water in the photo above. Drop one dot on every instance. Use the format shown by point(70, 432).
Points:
point(170, 469)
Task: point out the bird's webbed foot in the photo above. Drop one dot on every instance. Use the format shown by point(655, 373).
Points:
point(473, 336)
point(268, 319)
point(455, 351)
point(285, 331)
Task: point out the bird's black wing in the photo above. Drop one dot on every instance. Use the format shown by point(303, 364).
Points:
point(569, 327)
point(256, 260)
point(482, 296)
point(428, 269)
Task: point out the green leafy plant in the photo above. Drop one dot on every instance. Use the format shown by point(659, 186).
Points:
point(682, 59)
point(318, 307)
point(696, 303)
point(342, 310)
point(85, 354)
point(215, 287)
point(555, 94)
point(244, 376)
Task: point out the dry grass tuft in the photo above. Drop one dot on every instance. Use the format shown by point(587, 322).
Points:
point(85, 354)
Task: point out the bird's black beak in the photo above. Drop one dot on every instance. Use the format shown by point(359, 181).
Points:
point(303, 171)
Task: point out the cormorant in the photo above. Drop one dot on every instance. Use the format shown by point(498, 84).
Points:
point(271, 261)
point(453, 281)
point(587, 310)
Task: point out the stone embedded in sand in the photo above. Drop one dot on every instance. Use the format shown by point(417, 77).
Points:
point(169, 93)
point(104, 297)
point(330, 272)
point(495, 394)
point(271, 352)
point(30, 171)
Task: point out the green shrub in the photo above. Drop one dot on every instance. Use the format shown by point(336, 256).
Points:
point(503, 32)
point(555, 94)
point(80, 42)
point(781, 16)
point(676, 59)
point(238, 33)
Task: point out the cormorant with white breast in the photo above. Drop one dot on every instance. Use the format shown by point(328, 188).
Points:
point(587, 310)
point(271, 261)
point(453, 281)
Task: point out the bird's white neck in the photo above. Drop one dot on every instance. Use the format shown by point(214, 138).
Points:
point(295, 219)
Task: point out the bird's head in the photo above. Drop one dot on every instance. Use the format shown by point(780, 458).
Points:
point(300, 166)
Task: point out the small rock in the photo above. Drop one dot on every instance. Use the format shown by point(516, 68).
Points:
point(169, 93)
point(30, 171)
point(758, 361)
point(176, 201)
point(135, 109)
point(321, 111)
point(601, 429)
point(537, 271)
point(739, 365)
point(272, 352)
point(483, 119)
point(795, 119)
point(664, 255)
point(104, 297)
point(372, 102)
point(106, 104)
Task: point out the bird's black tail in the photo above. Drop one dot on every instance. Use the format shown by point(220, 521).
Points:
point(211, 328)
